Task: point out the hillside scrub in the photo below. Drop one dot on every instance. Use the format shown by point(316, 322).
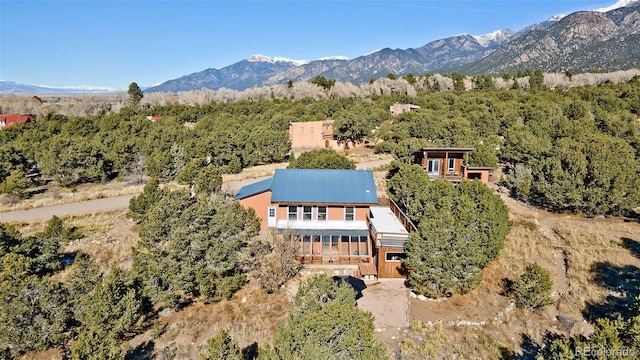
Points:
point(87, 105)
point(87, 314)
point(193, 247)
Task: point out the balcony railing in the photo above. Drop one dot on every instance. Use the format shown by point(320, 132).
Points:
point(404, 219)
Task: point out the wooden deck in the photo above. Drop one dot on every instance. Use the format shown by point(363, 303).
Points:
point(367, 270)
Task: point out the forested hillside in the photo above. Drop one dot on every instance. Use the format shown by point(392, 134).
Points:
point(568, 148)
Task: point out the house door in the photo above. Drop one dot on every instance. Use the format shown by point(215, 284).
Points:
point(271, 216)
point(433, 167)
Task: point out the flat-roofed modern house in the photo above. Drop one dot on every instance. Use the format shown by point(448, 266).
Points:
point(449, 163)
point(335, 214)
point(312, 135)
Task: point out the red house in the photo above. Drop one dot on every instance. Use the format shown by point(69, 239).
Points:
point(7, 120)
point(334, 214)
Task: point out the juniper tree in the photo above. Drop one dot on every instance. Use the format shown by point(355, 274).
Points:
point(321, 159)
point(460, 230)
point(193, 247)
point(325, 324)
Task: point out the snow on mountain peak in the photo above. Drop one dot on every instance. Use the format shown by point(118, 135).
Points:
point(498, 35)
point(557, 17)
point(617, 5)
point(275, 59)
point(337, 57)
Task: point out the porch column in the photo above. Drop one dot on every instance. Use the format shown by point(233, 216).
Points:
point(445, 166)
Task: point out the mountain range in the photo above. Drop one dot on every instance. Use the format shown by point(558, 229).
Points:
point(10, 87)
point(603, 40)
point(606, 39)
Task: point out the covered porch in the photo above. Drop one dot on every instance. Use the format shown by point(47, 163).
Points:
point(332, 246)
point(444, 163)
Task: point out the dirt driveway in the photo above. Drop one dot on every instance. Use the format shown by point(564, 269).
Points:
point(388, 301)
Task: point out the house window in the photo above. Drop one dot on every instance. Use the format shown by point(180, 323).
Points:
point(306, 245)
point(292, 212)
point(301, 130)
point(306, 213)
point(395, 257)
point(452, 164)
point(322, 213)
point(311, 130)
point(349, 213)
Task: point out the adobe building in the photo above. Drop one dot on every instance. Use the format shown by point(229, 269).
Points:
point(312, 135)
point(396, 108)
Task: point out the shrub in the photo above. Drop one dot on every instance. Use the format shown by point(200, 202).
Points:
point(532, 290)
point(221, 346)
point(321, 159)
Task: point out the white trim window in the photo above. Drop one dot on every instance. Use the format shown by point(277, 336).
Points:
point(307, 212)
point(349, 213)
point(452, 165)
point(292, 212)
point(433, 167)
point(321, 213)
point(395, 257)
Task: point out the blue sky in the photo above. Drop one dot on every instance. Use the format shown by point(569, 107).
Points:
point(112, 43)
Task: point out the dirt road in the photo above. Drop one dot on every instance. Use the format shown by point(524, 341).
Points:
point(120, 202)
point(77, 208)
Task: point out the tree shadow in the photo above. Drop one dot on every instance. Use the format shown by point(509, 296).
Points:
point(143, 351)
point(357, 284)
point(506, 284)
point(623, 283)
point(529, 350)
point(632, 245)
point(250, 352)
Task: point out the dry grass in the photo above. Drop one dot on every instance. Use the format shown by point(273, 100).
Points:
point(254, 172)
point(250, 317)
point(108, 237)
point(50, 354)
point(589, 259)
point(56, 195)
